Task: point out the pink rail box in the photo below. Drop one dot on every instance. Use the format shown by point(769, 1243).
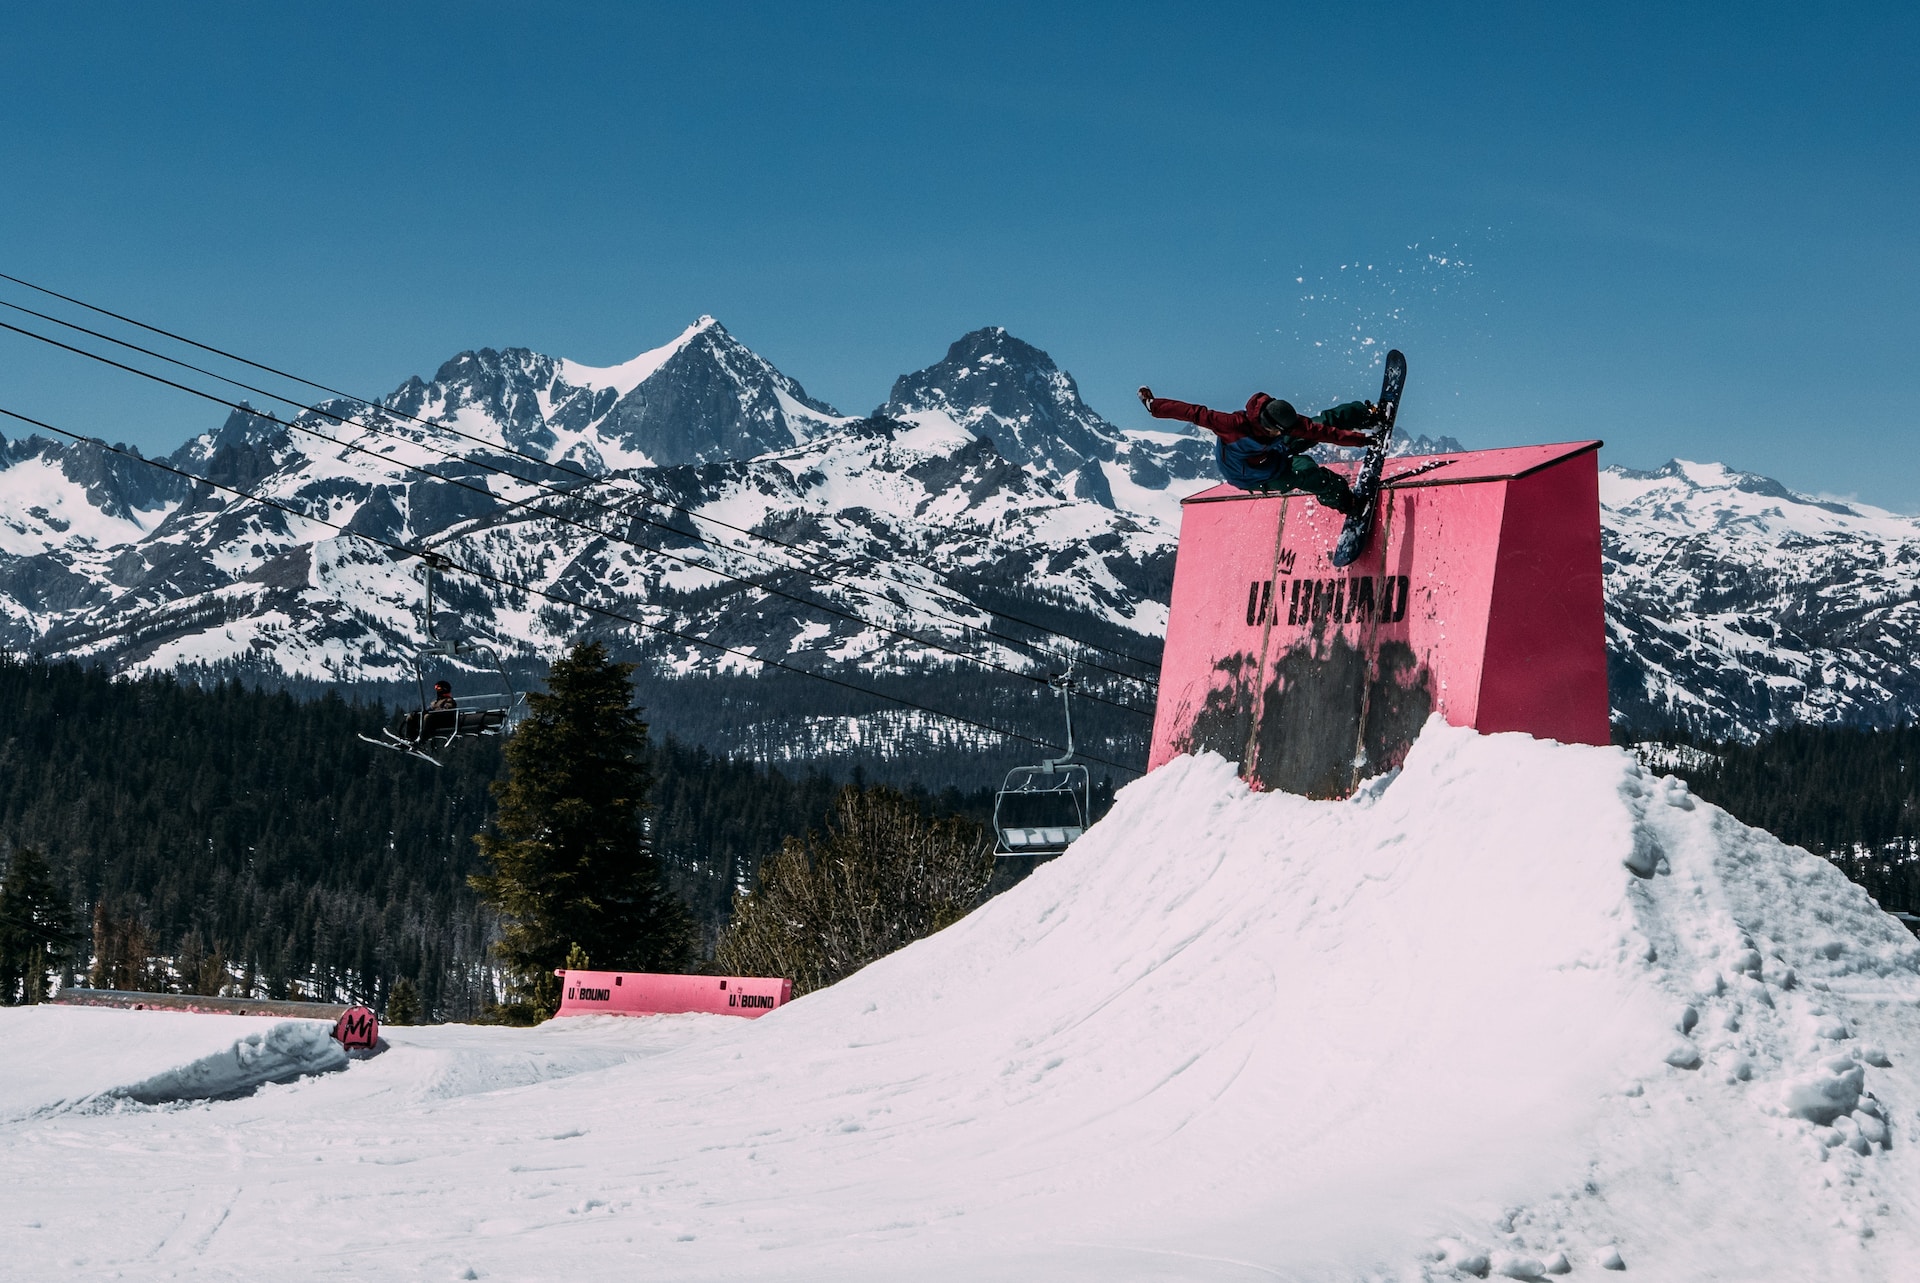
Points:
point(1477, 598)
point(640, 993)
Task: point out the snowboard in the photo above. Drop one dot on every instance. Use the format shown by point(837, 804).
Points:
point(1366, 484)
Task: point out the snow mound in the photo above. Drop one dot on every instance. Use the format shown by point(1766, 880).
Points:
point(288, 1051)
point(1520, 1009)
point(54, 1057)
point(1509, 998)
point(79, 1055)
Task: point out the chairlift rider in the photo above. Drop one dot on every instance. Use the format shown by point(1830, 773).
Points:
point(440, 717)
point(444, 719)
point(438, 722)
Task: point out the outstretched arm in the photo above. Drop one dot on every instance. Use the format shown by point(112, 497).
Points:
point(1227, 426)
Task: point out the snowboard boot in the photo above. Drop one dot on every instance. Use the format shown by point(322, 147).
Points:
point(1352, 416)
point(1325, 485)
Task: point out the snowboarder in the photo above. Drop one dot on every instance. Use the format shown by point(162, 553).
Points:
point(1263, 447)
point(443, 695)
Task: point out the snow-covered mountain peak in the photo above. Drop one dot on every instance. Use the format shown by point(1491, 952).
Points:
point(704, 396)
point(992, 345)
point(1002, 389)
point(628, 375)
point(1688, 475)
point(242, 429)
point(1703, 497)
point(1006, 390)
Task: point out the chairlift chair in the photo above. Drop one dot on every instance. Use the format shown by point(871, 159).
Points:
point(1041, 810)
point(427, 728)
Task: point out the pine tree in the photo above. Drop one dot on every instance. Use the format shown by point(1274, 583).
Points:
point(36, 928)
point(881, 877)
point(403, 1004)
point(201, 970)
point(568, 860)
point(123, 955)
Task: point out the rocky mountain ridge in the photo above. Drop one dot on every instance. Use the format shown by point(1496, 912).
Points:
point(698, 492)
point(1735, 604)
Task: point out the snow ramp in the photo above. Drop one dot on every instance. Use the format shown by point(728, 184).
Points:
point(1521, 1006)
point(1519, 1009)
point(61, 1057)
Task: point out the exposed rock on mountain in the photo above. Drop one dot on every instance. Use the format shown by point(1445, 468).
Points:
point(703, 397)
point(1735, 604)
point(698, 492)
point(995, 386)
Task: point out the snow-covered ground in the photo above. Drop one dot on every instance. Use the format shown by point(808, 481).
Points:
point(91, 1057)
point(1522, 1007)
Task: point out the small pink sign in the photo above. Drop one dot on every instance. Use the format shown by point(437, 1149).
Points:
point(640, 993)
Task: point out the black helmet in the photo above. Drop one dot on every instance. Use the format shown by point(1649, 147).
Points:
point(1279, 416)
point(443, 688)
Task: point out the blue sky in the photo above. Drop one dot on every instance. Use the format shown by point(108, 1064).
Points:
point(1687, 229)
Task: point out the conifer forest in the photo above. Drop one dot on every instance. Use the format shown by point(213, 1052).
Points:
point(1847, 793)
point(158, 835)
point(197, 836)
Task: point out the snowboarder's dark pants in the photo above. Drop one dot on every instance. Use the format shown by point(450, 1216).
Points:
point(1302, 475)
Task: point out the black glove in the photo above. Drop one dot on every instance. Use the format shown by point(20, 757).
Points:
point(1146, 399)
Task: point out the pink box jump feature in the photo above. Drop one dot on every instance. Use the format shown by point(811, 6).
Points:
point(1477, 598)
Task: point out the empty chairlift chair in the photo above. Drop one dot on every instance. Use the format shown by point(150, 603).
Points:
point(1041, 810)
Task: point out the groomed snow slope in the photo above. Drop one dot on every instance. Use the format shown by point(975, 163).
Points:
point(1521, 1002)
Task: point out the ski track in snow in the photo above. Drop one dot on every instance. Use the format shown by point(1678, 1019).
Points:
point(1520, 1007)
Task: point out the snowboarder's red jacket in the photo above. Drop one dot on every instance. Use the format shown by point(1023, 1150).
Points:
point(1231, 426)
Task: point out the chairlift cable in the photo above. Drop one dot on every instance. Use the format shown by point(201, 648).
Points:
point(502, 581)
point(554, 516)
point(547, 463)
